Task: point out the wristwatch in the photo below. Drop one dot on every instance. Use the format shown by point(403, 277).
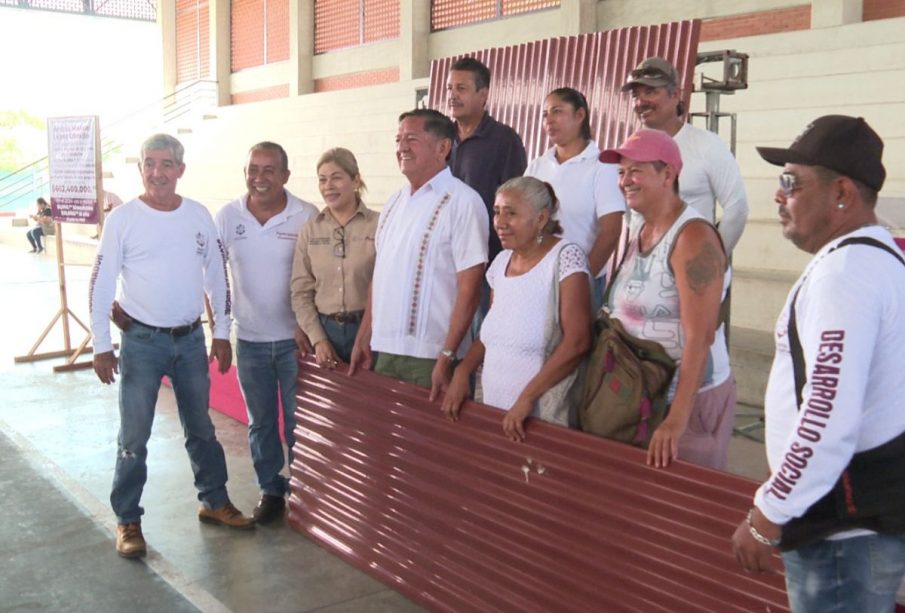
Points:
point(448, 353)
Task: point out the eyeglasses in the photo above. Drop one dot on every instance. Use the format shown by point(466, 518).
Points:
point(339, 235)
point(788, 183)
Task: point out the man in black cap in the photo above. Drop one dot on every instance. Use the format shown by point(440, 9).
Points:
point(709, 172)
point(835, 404)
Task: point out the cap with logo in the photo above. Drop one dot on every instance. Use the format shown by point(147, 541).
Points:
point(653, 72)
point(844, 144)
point(646, 145)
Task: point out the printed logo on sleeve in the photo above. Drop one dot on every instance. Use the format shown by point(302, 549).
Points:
point(201, 241)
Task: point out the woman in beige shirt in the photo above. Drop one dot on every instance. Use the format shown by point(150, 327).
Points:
point(334, 261)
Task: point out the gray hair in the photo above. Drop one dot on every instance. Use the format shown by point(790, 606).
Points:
point(163, 141)
point(539, 194)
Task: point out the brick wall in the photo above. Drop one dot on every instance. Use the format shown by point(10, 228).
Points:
point(357, 79)
point(754, 24)
point(192, 41)
point(883, 9)
point(257, 95)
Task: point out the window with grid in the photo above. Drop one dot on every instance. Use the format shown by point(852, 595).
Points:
point(259, 33)
point(450, 13)
point(347, 23)
point(192, 41)
point(139, 10)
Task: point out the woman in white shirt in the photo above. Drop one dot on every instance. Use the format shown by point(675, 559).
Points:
point(591, 205)
point(517, 346)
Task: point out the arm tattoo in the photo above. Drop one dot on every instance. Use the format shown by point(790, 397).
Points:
point(703, 268)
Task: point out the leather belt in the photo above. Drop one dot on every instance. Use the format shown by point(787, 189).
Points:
point(176, 331)
point(344, 317)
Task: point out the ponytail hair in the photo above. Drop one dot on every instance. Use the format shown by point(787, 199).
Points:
point(540, 195)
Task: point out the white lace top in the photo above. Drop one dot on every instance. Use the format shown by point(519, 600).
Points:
point(513, 331)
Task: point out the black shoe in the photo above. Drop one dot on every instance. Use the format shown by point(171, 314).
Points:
point(40, 249)
point(33, 251)
point(269, 508)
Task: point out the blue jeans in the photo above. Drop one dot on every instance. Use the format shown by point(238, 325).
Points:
point(34, 237)
point(341, 336)
point(267, 373)
point(146, 356)
point(855, 574)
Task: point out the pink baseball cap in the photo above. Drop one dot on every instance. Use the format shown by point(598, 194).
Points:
point(646, 145)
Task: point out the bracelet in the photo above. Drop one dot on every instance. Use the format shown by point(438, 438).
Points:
point(757, 536)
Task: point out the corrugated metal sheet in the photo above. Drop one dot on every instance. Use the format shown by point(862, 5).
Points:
point(596, 64)
point(458, 518)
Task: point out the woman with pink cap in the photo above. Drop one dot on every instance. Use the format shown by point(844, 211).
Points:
point(668, 289)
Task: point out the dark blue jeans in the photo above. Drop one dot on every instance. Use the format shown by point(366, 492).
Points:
point(854, 574)
point(267, 374)
point(147, 356)
point(34, 237)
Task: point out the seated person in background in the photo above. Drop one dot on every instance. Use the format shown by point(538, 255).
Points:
point(334, 261)
point(668, 289)
point(43, 217)
point(515, 344)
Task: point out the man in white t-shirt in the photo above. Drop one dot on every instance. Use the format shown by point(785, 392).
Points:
point(259, 231)
point(835, 404)
point(431, 251)
point(709, 172)
point(166, 251)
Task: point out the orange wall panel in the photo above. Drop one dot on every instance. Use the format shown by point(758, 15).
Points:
point(277, 30)
point(357, 79)
point(381, 20)
point(882, 9)
point(336, 24)
point(754, 24)
point(257, 95)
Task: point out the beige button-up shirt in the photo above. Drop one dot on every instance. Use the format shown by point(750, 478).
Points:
point(332, 268)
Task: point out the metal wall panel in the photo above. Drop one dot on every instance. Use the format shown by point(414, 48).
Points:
point(595, 64)
point(458, 518)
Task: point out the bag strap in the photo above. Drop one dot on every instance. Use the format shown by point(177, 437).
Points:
point(798, 366)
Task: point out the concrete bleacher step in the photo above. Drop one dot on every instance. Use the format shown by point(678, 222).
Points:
point(751, 355)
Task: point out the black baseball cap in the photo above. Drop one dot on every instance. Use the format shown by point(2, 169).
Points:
point(838, 142)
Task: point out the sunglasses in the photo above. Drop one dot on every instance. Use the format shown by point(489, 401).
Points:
point(649, 73)
point(788, 183)
point(339, 235)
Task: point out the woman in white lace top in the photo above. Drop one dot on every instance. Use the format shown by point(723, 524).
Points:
point(520, 362)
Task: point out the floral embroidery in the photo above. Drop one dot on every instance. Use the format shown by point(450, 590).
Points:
point(422, 257)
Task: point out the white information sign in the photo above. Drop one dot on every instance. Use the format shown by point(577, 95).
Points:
point(73, 169)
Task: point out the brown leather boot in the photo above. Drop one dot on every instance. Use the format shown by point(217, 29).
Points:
point(227, 515)
point(129, 541)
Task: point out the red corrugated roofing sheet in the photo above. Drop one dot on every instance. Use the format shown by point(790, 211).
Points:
point(596, 64)
point(458, 518)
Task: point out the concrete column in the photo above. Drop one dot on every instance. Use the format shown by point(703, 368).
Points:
point(301, 47)
point(414, 32)
point(832, 13)
point(166, 21)
point(219, 32)
point(578, 17)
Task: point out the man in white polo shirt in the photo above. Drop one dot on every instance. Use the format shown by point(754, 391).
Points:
point(166, 251)
point(259, 230)
point(431, 252)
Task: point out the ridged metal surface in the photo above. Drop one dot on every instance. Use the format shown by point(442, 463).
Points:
point(595, 64)
point(458, 518)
